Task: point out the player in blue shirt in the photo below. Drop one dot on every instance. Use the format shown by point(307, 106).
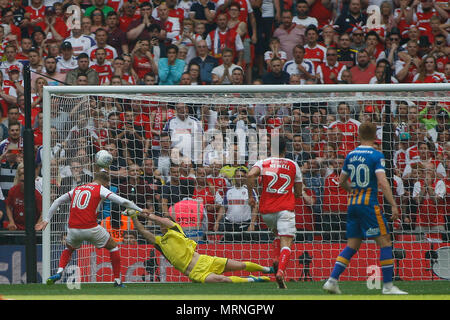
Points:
point(362, 173)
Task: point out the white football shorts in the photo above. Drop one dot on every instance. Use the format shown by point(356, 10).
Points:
point(281, 223)
point(98, 236)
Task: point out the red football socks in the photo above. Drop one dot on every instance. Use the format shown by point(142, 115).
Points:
point(115, 261)
point(65, 258)
point(284, 258)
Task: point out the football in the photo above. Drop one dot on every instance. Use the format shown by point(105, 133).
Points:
point(130, 213)
point(103, 159)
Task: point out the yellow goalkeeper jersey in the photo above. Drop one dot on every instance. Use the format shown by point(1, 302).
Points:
point(176, 247)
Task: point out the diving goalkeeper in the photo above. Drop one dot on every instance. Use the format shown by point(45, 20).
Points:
point(179, 250)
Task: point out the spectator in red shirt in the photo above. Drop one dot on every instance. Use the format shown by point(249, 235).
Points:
point(429, 193)
point(439, 52)
point(204, 191)
point(329, 36)
point(330, 144)
point(223, 37)
point(57, 25)
point(25, 46)
point(128, 15)
point(36, 97)
point(272, 120)
point(400, 153)
point(429, 8)
point(313, 50)
point(15, 205)
point(323, 11)
point(330, 72)
point(38, 131)
point(174, 12)
point(8, 95)
point(143, 59)
point(428, 73)
point(13, 79)
point(374, 45)
point(128, 73)
point(101, 37)
point(364, 69)
point(408, 65)
point(334, 204)
point(348, 127)
point(35, 16)
point(102, 67)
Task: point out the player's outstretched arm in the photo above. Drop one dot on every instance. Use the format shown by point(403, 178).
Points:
point(386, 188)
point(161, 221)
point(141, 229)
point(120, 200)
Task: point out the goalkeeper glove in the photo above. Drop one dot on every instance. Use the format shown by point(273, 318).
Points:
point(130, 213)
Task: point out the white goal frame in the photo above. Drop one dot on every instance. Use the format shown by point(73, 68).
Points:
point(182, 89)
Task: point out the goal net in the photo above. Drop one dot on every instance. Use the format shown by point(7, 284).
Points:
point(185, 151)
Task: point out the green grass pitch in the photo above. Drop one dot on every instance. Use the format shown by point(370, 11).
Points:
point(418, 290)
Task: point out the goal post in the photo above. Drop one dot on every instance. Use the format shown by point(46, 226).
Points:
point(315, 248)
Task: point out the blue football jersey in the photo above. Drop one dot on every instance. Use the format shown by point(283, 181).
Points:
point(361, 165)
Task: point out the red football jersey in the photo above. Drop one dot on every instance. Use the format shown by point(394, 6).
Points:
point(219, 183)
point(84, 203)
point(142, 66)
point(37, 15)
point(423, 20)
point(273, 123)
point(324, 70)
point(115, 4)
point(316, 54)
point(436, 77)
point(278, 178)
point(104, 71)
point(16, 201)
point(430, 212)
point(335, 198)
point(349, 131)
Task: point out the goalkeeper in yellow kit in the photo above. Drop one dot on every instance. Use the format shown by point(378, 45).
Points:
point(179, 250)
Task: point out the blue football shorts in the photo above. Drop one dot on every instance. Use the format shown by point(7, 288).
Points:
point(366, 222)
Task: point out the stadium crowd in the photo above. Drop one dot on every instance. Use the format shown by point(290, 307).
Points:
point(239, 42)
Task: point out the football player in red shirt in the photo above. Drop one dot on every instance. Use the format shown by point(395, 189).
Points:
point(84, 201)
point(281, 184)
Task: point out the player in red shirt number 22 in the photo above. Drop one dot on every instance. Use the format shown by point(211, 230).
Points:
point(281, 184)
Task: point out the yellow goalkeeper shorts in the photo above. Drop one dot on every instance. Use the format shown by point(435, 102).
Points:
point(205, 266)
